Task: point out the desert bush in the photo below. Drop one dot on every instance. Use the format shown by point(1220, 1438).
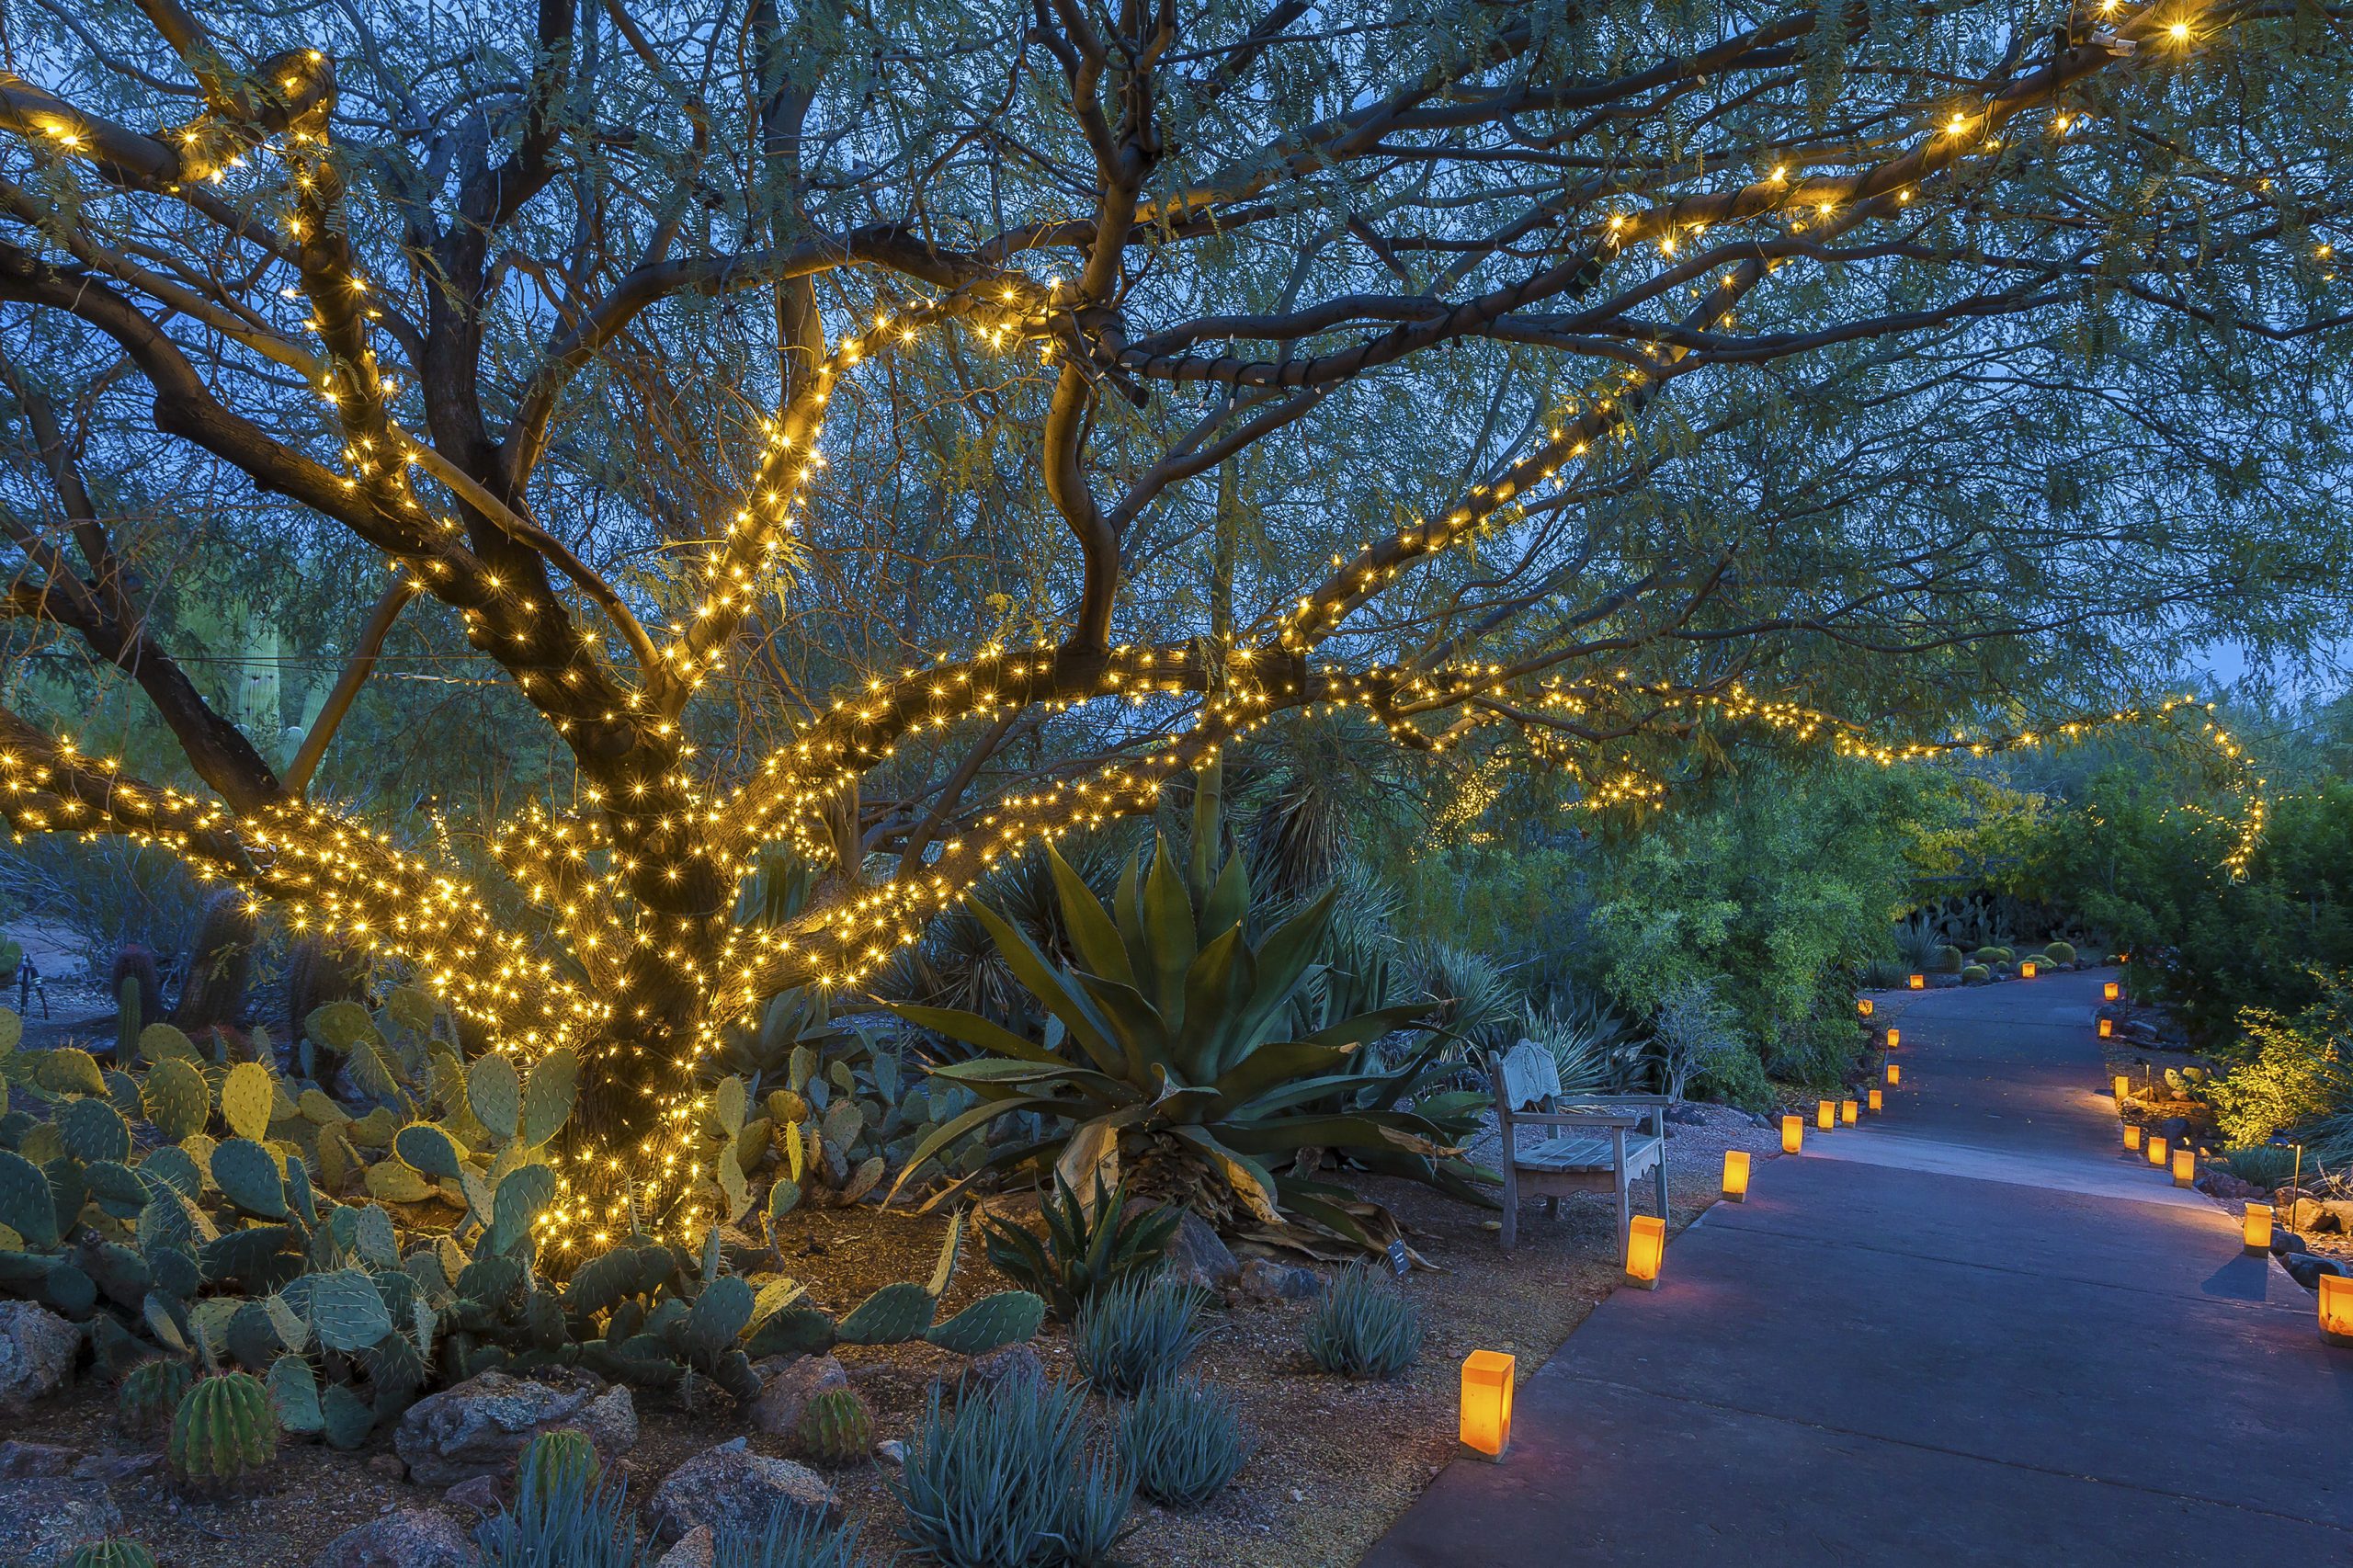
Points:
point(1136, 1332)
point(1364, 1327)
point(1184, 1439)
point(1017, 1476)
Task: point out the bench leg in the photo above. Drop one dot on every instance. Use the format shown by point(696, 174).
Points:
point(1625, 1220)
point(1662, 1184)
point(1552, 1207)
point(1511, 1204)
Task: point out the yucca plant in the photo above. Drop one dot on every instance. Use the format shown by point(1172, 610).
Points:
point(1165, 1049)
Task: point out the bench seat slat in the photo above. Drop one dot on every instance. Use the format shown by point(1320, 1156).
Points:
point(1584, 1154)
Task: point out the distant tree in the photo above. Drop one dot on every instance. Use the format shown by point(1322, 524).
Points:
point(1585, 375)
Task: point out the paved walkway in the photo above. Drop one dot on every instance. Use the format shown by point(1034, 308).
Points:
point(1967, 1333)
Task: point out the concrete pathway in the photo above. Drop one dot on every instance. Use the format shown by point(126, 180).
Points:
point(1967, 1332)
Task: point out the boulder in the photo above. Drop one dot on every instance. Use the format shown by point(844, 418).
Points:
point(2336, 1215)
point(1272, 1281)
point(19, 1458)
point(695, 1550)
point(406, 1538)
point(481, 1426)
point(2306, 1215)
point(43, 1519)
point(37, 1352)
point(478, 1495)
point(786, 1391)
point(732, 1489)
point(1008, 1361)
point(112, 1467)
point(1198, 1255)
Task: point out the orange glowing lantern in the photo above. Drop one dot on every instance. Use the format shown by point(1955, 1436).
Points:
point(1793, 1134)
point(2025, 969)
point(1863, 1005)
point(1486, 1403)
point(1894, 1076)
point(2108, 1029)
point(2132, 1137)
point(1894, 1037)
point(1826, 1115)
point(1736, 1175)
point(2110, 992)
point(2157, 1153)
point(1916, 982)
point(2336, 1309)
point(2257, 1227)
point(1877, 1104)
point(2185, 1166)
point(2121, 1085)
point(1847, 1110)
point(1645, 1244)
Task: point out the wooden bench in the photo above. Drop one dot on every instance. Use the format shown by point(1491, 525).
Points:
point(1588, 1143)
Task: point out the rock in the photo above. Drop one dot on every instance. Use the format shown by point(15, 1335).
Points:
point(37, 1352)
point(478, 1494)
point(406, 1538)
point(2135, 1029)
point(784, 1393)
point(111, 1467)
point(1008, 1361)
point(19, 1458)
point(1198, 1255)
point(43, 1519)
point(2340, 1211)
point(1686, 1114)
point(891, 1451)
point(695, 1550)
point(2173, 1129)
point(481, 1424)
point(1272, 1281)
point(2306, 1215)
point(2285, 1241)
point(729, 1488)
point(388, 1464)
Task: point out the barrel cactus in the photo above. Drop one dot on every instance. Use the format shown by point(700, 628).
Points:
point(114, 1551)
point(224, 1435)
point(835, 1428)
point(2060, 952)
point(151, 1392)
point(561, 1458)
point(1975, 974)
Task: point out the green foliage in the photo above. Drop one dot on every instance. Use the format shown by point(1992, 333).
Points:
point(2264, 1164)
point(1087, 1247)
point(1697, 1040)
point(2293, 1073)
point(1591, 1046)
point(1470, 996)
point(563, 1519)
point(1013, 1475)
point(792, 1538)
point(835, 1429)
point(1136, 1331)
point(1364, 1327)
point(1184, 1439)
point(224, 1435)
point(1163, 1047)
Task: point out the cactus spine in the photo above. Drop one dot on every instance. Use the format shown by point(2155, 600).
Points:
point(151, 1393)
point(835, 1429)
point(224, 1435)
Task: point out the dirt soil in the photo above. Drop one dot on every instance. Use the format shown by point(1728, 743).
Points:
point(1335, 1461)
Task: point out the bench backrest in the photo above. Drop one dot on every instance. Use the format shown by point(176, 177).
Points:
point(1526, 1078)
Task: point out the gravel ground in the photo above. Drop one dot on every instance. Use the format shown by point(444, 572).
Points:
point(1336, 1460)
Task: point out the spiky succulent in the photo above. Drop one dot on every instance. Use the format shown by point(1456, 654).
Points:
point(1166, 1047)
point(224, 1435)
point(835, 1428)
point(114, 1551)
point(1088, 1246)
point(1364, 1327)
point(561, 1457)
point(151, 1393)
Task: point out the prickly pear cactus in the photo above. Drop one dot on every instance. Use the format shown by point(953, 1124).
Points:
point(224, 1436)
point(835, 1428)
point(151, 1393)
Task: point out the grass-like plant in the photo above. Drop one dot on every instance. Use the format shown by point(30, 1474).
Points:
point(792, 1538)
point(1166, 1047)
point(1184, 1439)
point(1014, 1476)
point(1364, 1327)
point(1087, 1247)
point(559, 1521)
point(1137, 1332)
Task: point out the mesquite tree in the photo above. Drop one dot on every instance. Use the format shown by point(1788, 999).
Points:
point(882, 436)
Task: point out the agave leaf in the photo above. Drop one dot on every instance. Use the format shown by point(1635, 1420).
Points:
point(1144, 1037)
point(1209, 1007)
point(1169, 935)
point(1076, 1012)
point(1228, 900)
point(990, 1078)
point(1367, 1027)
point(1275, 1064)
point(974, 1030)
point(1092, 931)
point(1090, 1158)
point(1127, 908)
point(1250, 1180)
point(1282, 960)
point(948, 1131)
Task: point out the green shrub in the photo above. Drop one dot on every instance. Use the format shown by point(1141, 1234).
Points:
point(559, 1520)
point(1975, 974)
point(2295, 1072)
point(1084, 1252)
point(1014, 1475)
point(2263, 1164)
point(1136, 1332)
point(1364, 1327)
point(794, 1539)
point(1184, 1439)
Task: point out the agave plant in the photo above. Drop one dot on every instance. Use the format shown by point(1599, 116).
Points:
point(1167, 1060)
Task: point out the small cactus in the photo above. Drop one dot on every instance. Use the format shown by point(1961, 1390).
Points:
point(835, 1429)
point(1975, 974)
point(114, 1551)
point(224, 1435)
point(561, 1458)
point(151, 1392)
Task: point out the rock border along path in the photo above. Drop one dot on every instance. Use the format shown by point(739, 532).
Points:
point(1967, 1332)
